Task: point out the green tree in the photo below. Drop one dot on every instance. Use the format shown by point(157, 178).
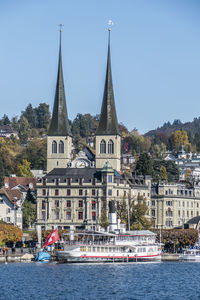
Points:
point(24, 169)
point(163, 173)
point(144, 165)
point(23, 129)
point(35, 153)
point(29, 114)
point(29, 214)
point(5, 120)
point(172, 170)
point(122, 212)
point(82, 125)
point(30, 196)
point(42, 116)
point(103, 222)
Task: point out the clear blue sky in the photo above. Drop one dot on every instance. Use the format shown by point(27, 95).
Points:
point(155, 52)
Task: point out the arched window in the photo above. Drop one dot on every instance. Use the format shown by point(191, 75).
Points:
point(110, 147)
point(103, 147)
point(61, 147)
point(54, 147)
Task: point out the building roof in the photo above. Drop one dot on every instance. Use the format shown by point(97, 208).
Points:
point(74, 174)
point(12, 195)
point(7, 129)
point(108, 124)
point(59, 125)
point(26, 182)
point(107, 167)
point(194, 220)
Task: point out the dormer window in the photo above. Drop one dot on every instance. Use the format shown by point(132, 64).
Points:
point(80, 181)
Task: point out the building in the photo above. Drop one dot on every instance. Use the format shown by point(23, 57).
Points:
point(23, 184)
point(188, 163)
point(173, 205)
point(6, 131)
point(75, 192)
point(10, 206)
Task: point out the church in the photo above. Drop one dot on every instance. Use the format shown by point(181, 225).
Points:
point(76, 192)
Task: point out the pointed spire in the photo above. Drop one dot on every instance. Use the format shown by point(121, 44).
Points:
point(59, 125)
point(108, 124)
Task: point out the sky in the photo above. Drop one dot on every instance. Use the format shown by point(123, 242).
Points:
point(155, 54)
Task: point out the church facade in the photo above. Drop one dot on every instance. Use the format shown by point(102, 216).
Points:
point(77, 192)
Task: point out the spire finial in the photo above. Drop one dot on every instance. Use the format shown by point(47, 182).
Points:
point(60, 25)
point(110, 24)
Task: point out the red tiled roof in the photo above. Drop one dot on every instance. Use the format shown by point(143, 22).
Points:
point(24, 181)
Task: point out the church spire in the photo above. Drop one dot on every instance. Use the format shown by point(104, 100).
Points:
point(59, 125)
point(108, 124)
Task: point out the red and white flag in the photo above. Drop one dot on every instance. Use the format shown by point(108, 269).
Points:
point(52, 238)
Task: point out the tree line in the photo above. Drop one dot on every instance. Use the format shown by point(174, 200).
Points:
point(29, 151)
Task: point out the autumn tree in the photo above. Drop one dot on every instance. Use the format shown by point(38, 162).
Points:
point(138, 215)
point(2, 173)
point(177, 138)
point(9, 233)
point(188, 174)
point(163, 173)
point(174, 239)
point(23, 169)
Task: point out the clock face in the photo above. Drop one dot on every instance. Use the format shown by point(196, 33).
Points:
point(81, 164)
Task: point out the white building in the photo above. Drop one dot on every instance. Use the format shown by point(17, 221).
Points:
point(10, 207)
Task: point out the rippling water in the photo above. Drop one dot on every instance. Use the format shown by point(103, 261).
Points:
point(100, 281)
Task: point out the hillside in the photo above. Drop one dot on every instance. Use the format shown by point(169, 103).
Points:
point(191, 128)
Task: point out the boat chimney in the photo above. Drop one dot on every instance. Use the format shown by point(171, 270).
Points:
point(112, 216)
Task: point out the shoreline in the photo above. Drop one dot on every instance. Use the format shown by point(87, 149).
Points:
point(166, 257)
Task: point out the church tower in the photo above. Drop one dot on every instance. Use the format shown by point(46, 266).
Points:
point(59, 139)
point(108, 137)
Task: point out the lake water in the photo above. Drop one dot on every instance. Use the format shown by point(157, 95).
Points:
point(100, 281)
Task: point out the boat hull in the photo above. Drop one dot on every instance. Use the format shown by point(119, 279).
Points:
point(64, 256)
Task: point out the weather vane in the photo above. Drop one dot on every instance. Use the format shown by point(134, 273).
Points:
point(60, 25)
point(110, 24)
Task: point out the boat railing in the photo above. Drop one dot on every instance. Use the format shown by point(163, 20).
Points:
point(80, 243)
